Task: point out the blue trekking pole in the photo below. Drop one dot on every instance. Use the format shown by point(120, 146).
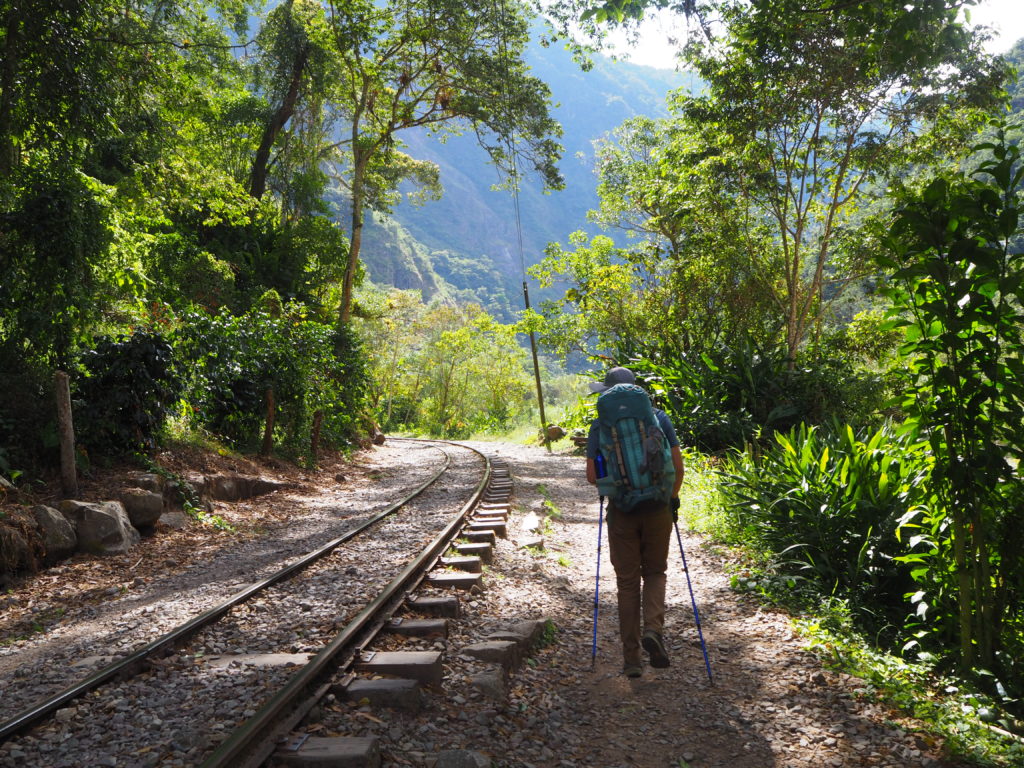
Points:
point(693, 601)
point(597, 580)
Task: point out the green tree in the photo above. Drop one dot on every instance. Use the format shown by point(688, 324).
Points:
point(810, 108)
point(442, 369)
point(957, 292)
point(443, 66)
point(817, 114)
point(698, 275)
point(1015, 87)
point(614, 300)
point(388, 324)
point(88, 97)
point(498, 372)
point(658, 179)
point(296, 68)
point(152, 155)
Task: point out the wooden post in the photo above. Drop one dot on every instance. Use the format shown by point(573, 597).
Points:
point(314, 438)
point(66, 435)
point(268, 433)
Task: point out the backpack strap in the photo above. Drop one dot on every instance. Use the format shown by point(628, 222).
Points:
point(623, 469)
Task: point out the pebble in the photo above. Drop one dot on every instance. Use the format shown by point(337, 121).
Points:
point(771, 705)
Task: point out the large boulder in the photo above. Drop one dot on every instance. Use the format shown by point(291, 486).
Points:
point(143, 507)
point(15, 552)
point(58, 535)
point(102, 527)
point(193, 483)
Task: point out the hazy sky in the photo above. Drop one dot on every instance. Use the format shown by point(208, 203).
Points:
point(1006, 17)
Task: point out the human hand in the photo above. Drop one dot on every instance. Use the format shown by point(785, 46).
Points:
point(673, 504)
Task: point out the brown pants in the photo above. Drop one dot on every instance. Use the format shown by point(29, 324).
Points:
point(638, 543)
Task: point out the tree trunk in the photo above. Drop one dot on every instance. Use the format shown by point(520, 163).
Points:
point(964, 590)
point(258, 181)
point(314, 437)
point(268, 432)
point(984, 602)
point(356, 240)
point(66, 434)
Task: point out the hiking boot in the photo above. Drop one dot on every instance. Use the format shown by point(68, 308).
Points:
point(655, 647)
point(632, 670)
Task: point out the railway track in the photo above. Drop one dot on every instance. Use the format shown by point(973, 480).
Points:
point(223, 688)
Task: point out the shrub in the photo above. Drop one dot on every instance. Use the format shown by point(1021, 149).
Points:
point(736, 395)
point(233, 361)
point(27, 416)
point(129, 387)
point(828, 505)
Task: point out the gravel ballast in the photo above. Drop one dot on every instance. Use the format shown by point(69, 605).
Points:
point(772, 703)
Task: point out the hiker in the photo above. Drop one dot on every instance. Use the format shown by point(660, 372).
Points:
point(638, 537)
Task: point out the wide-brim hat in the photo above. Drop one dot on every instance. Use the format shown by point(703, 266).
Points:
point(613, 377)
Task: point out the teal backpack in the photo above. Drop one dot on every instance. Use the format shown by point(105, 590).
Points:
point(637, 457)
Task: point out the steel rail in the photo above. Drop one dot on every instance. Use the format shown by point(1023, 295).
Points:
point(255, 740)
point(126, 666)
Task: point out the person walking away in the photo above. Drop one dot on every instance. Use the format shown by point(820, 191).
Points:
point(638, 533)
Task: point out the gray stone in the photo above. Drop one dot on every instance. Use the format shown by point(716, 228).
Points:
point(461, 758)
point(260, 486)
point(504, 652)
point(555, 432)
point(15, 552)
point(236, 487)
point(194, 483)
point(175, 519)
point(143, 507)
point(58, 534)
point(532, 542)
point(522, 641)
point(150, 481)
point(186, 739)
point(102, 527)
point(435, 606)
point(336, 752)
point(491, 683)
point(424, 666)
point(224, 488)
point(532, 629)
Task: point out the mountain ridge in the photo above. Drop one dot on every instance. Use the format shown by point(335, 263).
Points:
point(465, 246)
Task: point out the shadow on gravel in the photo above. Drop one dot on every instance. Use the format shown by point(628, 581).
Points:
point(771, 704)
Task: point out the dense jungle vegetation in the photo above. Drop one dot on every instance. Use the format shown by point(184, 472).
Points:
point(167, 233)
point(824, 291)
point(813, 262)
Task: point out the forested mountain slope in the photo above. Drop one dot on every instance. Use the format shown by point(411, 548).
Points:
point(466, 245)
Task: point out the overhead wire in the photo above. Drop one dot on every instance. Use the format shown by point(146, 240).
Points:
point(510, 143)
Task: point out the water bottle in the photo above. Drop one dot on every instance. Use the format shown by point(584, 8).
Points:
point(602, 470)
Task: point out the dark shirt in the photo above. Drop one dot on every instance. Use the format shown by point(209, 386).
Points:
point(664, 422)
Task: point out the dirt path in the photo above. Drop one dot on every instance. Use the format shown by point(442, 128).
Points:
point(771, 704)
